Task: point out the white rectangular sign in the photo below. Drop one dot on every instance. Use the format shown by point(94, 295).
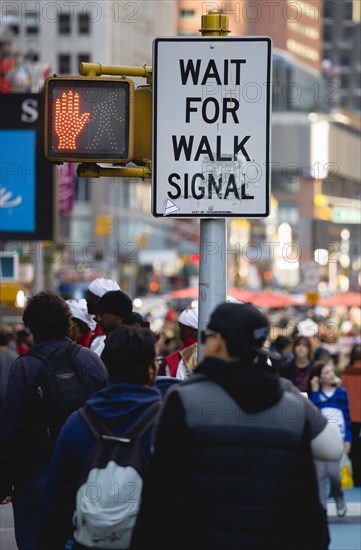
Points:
point(211, 127)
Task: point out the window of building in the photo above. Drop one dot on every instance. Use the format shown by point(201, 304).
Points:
point(328, 33)
point(82, 189)
point(83, 23)
point(32, 30)
point(64, 24)
point(331, 10)
point(64, 63)
point(32, 17)
point(348, 34)
point(289, 213)
point(83, 58)
point(344, 80)
point(345, 60)
point(347, 9)
point(187, 13)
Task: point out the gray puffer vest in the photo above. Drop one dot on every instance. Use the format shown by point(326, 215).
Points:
point(244, 467)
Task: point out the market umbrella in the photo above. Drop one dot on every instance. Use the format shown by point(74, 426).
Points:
point(191, 292)
point(274, 300)
point(347, 299)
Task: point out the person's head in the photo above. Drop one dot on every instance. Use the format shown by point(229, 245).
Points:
point(302, 348)
point(24, 336)
point(96, 290)
point(113, 308)
point(81, 321)
point(236, 331)
point(4, 338)
point(324, 372)
point(282, 345)
point(322, 354)
point(136, 320)
point(129, 355)
point(47, 315)
point(188, 323)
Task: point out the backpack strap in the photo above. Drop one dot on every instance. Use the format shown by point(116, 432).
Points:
point(98, 428)
point(72, 349)
point(142, 425)
point(95, 425)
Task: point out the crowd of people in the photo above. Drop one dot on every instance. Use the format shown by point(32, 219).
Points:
point(226, 466)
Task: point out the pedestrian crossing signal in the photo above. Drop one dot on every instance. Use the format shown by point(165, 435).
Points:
point(89, 119)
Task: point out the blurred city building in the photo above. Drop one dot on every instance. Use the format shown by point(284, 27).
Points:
point(315, 139)
point(105, 225)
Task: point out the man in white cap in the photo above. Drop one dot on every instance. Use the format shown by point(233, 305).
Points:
point(82, 323)
point(188, 332)
point(96, 290)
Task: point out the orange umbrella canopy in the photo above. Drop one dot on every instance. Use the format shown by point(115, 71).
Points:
point(192, 292)
point(274, 300)
point(347, 299)
point(265, 299)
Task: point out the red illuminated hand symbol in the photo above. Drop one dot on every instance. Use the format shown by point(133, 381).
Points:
point(68, 123)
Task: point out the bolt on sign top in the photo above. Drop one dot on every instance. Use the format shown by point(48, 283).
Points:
point(89, 119)
point(211, 127)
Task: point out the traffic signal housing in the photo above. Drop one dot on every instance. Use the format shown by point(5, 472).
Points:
point(89, 119)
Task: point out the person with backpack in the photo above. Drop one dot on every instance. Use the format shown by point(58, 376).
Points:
point(45, 385)
point(232, 465)
point(123, 414)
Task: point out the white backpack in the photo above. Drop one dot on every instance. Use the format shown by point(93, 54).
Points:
point(108, 498)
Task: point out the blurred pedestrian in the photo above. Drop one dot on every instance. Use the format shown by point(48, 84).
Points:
point(24, 341)
point(298, 367)
point(283, 346)
point(24, 452)
point(230, 470)
point(351, 381)
point(136, 320)
point(96, 290)
point(83, 323)
point(113, 308)
point(188, 332)
point(129, 357)
point(7, 357)
point(333, 403)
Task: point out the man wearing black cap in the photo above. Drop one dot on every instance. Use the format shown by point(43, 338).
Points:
point(113, 307)
point(232, 466)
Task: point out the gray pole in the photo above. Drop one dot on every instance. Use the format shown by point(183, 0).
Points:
point(212, 271)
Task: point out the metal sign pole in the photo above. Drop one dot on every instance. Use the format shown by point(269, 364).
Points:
point(212, 271)
point(212, 263)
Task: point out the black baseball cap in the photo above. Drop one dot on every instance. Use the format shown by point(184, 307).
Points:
point(243, 325)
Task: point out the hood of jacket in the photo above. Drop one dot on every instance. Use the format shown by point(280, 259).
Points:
point(254, 387)
point(120, 403)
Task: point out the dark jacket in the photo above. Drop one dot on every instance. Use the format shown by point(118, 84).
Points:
point(118, 406)
point(290, 371)
point(21, 456)
point(224, 485)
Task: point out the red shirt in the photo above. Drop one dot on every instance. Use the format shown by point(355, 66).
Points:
point(173, 359)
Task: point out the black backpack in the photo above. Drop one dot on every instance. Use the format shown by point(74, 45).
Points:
point(62, 385)
point(109, 494)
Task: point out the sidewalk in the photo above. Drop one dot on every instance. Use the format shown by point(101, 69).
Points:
point(346, 532)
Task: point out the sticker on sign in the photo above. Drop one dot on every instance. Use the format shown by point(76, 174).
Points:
point(211, 127)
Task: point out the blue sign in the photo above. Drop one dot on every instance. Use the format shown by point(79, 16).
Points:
point(26, 178)
point(18, 180)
